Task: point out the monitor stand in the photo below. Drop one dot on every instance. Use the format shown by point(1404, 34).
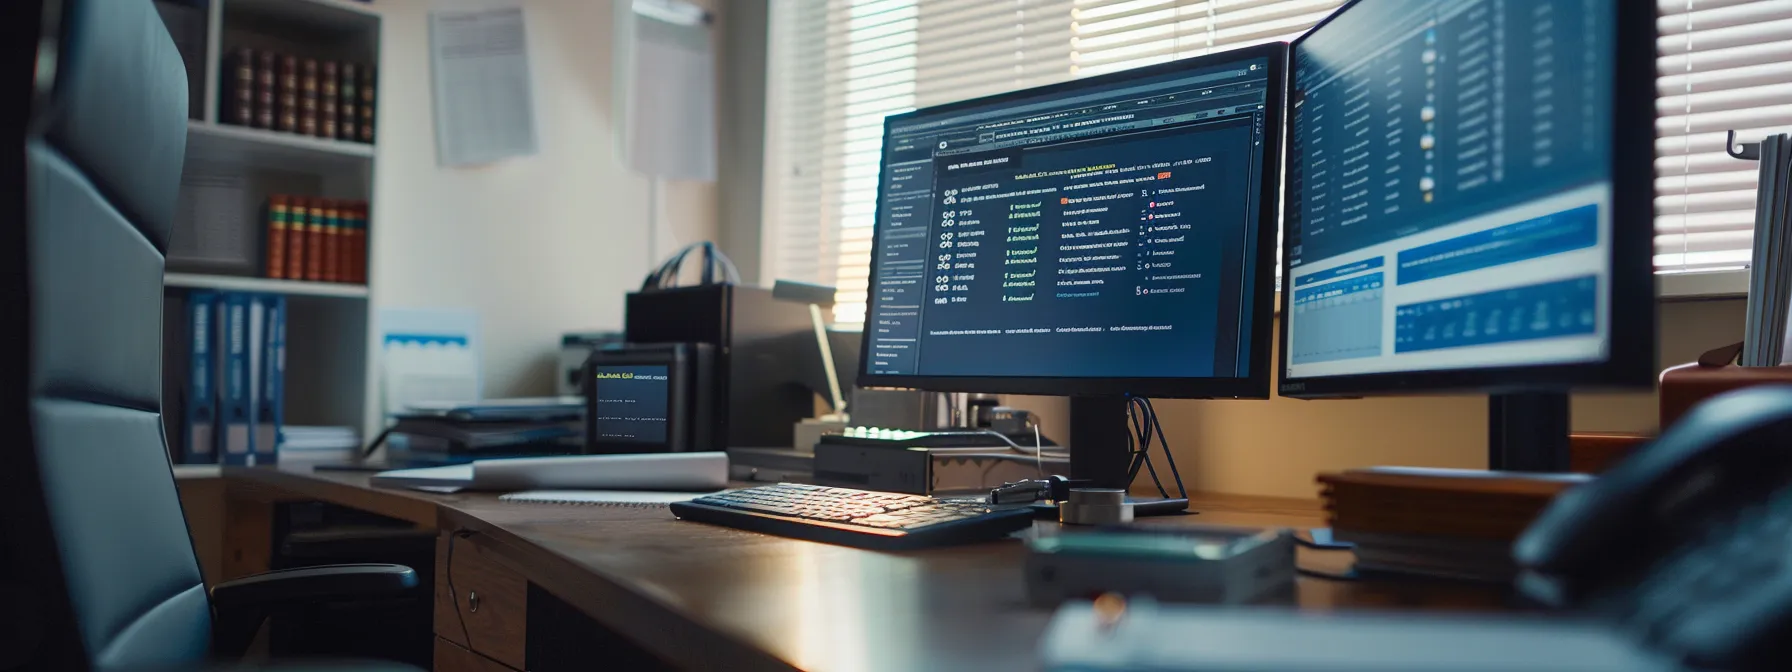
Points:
point(1098, 431)
point(1528, 431)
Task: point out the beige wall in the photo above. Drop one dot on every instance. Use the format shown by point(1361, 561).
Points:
point(1276, 447)
point(537, 245)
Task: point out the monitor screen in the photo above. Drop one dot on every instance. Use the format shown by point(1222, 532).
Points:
point(631, 403)
point(1450, 189)
point(1110, 235)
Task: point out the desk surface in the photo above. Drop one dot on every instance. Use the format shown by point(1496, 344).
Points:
point(705, 596)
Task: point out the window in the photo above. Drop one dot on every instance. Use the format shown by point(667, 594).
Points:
point(838, 67)
point(1722, 65)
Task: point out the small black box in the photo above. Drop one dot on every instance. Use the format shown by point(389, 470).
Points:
point(752, 333)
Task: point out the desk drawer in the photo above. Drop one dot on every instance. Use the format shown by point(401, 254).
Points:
point(486, 609)
point(450, 657)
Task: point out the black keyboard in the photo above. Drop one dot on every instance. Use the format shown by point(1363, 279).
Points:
point(859, 518)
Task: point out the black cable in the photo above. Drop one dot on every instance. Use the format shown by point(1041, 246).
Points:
point(375, 443)
point(1164, 442)
point(1134, 416)
point(454, 595)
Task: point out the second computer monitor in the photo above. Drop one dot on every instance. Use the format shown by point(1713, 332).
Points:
point(1112, 235)
point(1469, 198)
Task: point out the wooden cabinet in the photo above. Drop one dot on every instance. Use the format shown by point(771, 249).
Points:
point(480, 605)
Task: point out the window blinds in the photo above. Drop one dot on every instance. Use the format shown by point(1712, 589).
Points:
point(1721, 65)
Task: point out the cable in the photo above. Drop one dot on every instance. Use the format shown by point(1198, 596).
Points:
point(1038, 450)
point(1164, 443)
point(375, 443)
point(454, 595)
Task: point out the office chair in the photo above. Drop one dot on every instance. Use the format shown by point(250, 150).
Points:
point(97, 570)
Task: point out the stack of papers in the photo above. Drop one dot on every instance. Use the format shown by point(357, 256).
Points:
point(302, 442)
point(1770, 277)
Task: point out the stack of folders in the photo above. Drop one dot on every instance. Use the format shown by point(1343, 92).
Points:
point(1770, 283)
point(1453, 523)
point(228, 407)
point(318, 443)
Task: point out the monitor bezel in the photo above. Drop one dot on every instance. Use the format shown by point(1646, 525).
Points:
point(1632, 358)
point(1254, 385)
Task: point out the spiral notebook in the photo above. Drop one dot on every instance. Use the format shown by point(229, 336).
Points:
point(623, 498)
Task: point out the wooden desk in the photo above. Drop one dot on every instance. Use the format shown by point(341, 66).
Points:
point(705, 597)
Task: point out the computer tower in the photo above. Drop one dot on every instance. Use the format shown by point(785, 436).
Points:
point(751, 331)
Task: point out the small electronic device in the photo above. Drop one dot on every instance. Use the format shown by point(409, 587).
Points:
point(1206, 564)
point(925, 470)
point(651, 398)
point(858, 518)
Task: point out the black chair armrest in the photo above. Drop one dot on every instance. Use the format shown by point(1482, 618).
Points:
point(240, 606)
point(313, 585)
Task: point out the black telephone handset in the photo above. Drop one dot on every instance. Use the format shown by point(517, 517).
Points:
point(1686, 543)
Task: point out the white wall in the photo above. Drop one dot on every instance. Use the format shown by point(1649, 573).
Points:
point(538, 245)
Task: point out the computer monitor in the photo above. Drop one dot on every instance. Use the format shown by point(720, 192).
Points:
point(1108, 236)
point(1469, 207)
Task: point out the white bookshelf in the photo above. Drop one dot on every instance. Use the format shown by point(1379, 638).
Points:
point(220, 240)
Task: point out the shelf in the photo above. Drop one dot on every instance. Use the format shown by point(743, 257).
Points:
point(265, 285)
point(326, 17)
point(262, 147)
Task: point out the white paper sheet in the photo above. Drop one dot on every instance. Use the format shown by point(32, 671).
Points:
point(484, 105)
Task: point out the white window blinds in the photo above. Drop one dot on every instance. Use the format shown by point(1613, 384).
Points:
point(838, 67)
point(1722, 65)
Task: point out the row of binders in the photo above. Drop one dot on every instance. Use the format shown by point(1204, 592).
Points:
point(229, 408)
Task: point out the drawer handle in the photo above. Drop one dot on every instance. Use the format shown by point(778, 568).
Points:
point(473, 601)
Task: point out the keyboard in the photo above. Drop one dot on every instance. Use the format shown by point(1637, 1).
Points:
point(857, 518)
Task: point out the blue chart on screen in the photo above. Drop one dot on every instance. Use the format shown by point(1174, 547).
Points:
point(1539, 311)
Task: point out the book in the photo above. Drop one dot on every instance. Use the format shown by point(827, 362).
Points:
point(287, 93)
point(233, 442)
point(368, 82)
point(296, 235)
point(348, 106)
point(199, 417)
point(264, 89)
point(270, 413)
point(332, 241)
point(239, 90)
point(277, 236)
point(314, 240)
point(308, 97)
point(327, 99)
point(355, 236)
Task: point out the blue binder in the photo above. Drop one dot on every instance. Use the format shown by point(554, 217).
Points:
point(270, 400)
point(199, 417)
point(236, 388)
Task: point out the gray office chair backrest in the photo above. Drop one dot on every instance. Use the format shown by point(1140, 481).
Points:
point(112, 578)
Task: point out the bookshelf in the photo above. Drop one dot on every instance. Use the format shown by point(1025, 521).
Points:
point(221, 235)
